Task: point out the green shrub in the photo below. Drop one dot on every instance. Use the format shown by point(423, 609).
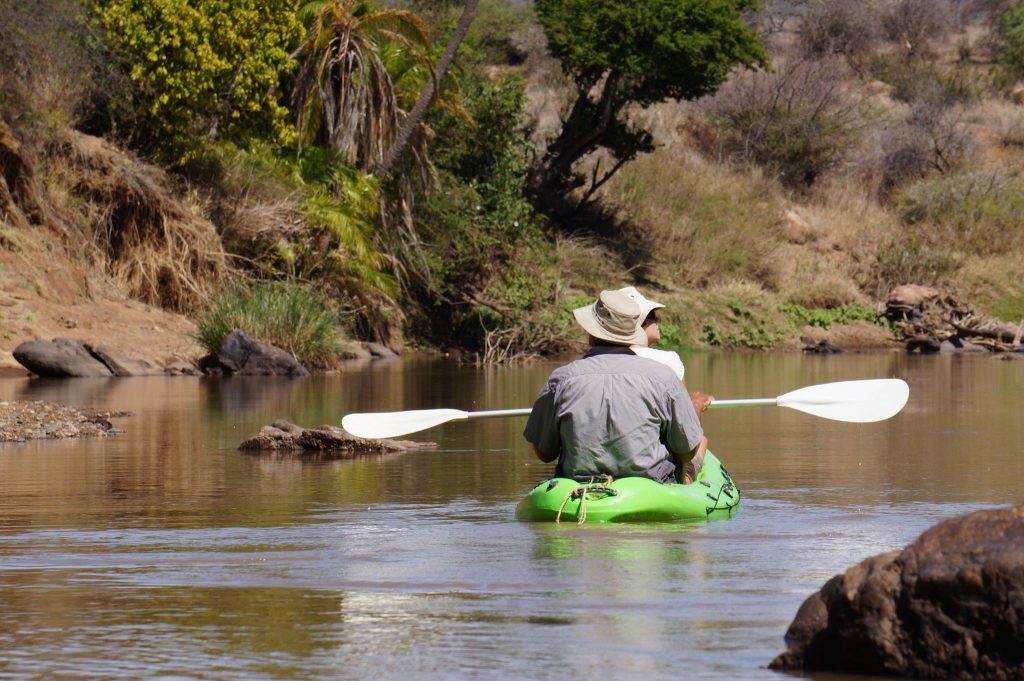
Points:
point(913, 79)
point(910, 260)
point(740, 315)
point(973, 213)
point(289, 316)
point(497, 24)
point(797, 122)
point(825, 317)
point(1011, 35)
point(493, 275)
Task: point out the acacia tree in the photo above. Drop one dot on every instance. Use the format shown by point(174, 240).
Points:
point(619, 52)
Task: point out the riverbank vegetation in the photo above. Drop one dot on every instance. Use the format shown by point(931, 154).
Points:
point(458, 176)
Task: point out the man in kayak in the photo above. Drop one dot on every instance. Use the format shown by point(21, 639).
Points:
point(649, 315)
point(612, 412)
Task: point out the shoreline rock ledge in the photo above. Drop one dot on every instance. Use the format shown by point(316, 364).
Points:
point(948, 606)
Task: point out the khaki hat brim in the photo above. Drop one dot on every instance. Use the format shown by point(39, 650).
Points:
point(647, 307)
point(587, 320)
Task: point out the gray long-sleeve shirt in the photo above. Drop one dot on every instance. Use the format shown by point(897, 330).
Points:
point(613, 413)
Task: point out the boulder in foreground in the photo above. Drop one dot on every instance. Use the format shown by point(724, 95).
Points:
point(949, 606)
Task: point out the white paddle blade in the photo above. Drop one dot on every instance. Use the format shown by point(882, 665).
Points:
point(395, 423)
point(852, 401)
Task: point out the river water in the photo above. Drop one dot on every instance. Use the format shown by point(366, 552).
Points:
point(164, 552)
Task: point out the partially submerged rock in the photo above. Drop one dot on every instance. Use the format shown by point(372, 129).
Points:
point(242, 354)
point(823, 347)
point(949, 606)
point(120, 365)
point(286, 437)
point(22, 420)
point(60, 358)
point(76, 358)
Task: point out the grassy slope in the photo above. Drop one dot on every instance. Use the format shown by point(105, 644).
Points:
point(728, 248)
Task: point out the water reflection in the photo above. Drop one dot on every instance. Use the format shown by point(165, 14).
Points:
point(166, 551)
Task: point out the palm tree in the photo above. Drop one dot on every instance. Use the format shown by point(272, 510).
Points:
point(408, 131)
point(345, 97)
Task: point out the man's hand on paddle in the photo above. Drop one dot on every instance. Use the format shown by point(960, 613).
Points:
point(700, 402)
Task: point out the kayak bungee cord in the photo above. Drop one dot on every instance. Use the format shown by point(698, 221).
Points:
point(581, 493)
point(725, 488)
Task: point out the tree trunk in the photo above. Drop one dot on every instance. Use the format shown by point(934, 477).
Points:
point(581, 133)
point(427, 93)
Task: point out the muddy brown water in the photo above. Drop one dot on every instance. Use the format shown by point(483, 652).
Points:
point(164, 552)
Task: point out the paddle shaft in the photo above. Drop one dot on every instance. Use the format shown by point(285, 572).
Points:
point(717, 404)
point(863, 401)
point(498, 412)
point(759, 402)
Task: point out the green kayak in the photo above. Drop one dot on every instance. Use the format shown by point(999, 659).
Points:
point(713, 495)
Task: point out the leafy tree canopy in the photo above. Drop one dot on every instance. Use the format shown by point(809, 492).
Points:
point(663, 49)
point(641, 51)
point(203, 68)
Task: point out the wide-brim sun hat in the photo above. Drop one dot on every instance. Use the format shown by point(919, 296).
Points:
point(646, 306)
point(614, 318)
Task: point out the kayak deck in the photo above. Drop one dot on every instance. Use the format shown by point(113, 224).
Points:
point(712, 495)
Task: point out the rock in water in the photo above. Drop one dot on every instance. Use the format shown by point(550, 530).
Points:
point(949, 606)
point(59, 358)
point(242, 354)
point(326, 441)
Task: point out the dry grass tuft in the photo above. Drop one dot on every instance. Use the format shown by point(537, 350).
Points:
point(264, 231)
point(699, 222)
point(995, 286)
point(157, 248)
point(589, 266)
point(814, 281)
point(1002, 122)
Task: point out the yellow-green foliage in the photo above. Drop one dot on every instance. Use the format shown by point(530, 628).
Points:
point(203, 68)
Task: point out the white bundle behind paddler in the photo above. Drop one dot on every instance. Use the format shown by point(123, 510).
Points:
point(649, 315)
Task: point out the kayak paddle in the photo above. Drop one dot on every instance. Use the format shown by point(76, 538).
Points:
point(851, 401)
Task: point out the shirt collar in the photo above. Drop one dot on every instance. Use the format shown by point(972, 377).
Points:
point(609, 350)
